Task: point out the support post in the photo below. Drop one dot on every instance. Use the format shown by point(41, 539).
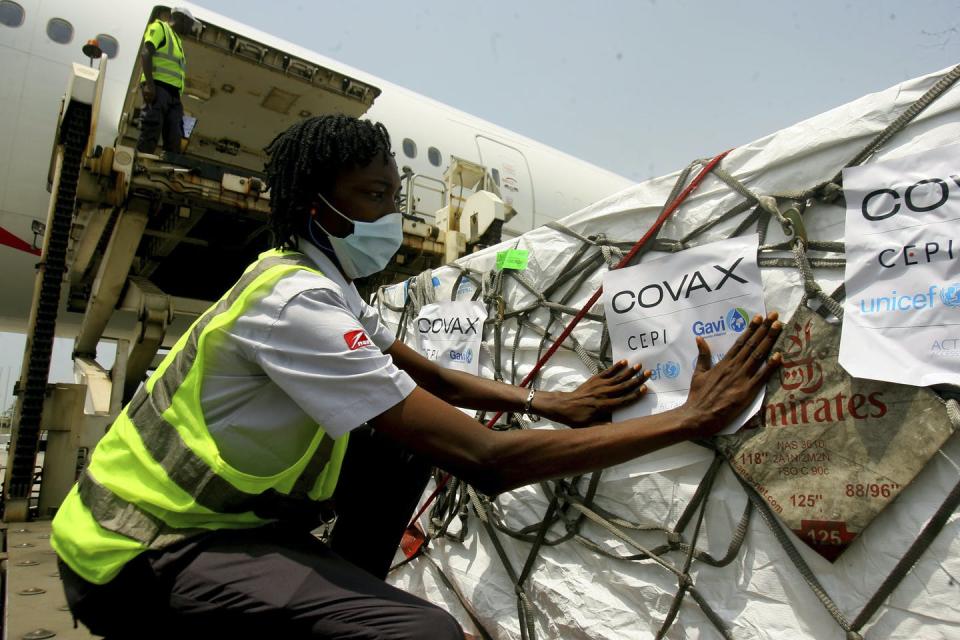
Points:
point(154, 315)
point(112, 275)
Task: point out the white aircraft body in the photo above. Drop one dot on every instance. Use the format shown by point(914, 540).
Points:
point(40, 39)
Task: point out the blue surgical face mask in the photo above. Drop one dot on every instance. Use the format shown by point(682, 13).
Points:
point(371, 245)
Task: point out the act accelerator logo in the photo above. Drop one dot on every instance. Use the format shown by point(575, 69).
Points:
point(947, 347)
point(735, 320)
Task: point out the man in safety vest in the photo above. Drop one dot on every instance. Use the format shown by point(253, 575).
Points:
point(193, 518)
point(162, 81)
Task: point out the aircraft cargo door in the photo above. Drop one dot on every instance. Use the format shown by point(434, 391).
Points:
point(511, 174)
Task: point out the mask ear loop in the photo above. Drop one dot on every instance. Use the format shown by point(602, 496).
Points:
point(351, 221)
point(310, 224)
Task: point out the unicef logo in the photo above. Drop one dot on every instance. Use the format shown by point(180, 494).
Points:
point(737, 319)
point(950, 296)
point(665, 370)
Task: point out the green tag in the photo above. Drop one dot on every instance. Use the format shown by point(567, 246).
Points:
point(512, 259)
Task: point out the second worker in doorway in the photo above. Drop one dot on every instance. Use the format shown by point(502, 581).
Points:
point(163, 80)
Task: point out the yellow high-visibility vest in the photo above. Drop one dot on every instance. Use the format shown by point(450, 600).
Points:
point(169, 63)
point(157, 477)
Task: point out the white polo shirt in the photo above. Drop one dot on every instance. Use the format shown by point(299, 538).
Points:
point(309, 352)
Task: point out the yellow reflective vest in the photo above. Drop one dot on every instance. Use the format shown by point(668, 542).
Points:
point(169, 63)
point(157, 477)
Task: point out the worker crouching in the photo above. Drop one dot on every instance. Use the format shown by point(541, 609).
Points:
point(194, 516)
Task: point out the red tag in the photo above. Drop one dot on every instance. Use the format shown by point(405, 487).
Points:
point(356, 339)
point(413, 539)
point(829, 538)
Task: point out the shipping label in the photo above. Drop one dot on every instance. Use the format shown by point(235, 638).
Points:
point(834, 450)
point(657, 309)
point(450, 333)
point(902, 312)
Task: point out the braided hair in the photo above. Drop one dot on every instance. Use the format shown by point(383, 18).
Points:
point(307, 158)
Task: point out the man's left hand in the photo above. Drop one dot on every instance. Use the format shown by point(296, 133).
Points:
point(593, 401)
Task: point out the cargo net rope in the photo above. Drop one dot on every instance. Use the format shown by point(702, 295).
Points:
point(571, 502)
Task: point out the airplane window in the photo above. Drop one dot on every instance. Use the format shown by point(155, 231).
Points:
point(433, 154)
point(60, 31)
point(108, 44)
point(409, 148)
point(11, 14)
point(496, 176)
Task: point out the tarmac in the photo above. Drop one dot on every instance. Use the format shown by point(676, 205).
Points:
point(35, 607)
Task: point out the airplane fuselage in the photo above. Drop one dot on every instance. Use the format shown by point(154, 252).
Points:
point(542, 183)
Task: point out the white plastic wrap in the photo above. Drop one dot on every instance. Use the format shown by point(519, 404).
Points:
point(576, 593)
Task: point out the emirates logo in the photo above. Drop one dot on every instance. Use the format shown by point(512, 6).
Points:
point(800, 369)
point(356, 339)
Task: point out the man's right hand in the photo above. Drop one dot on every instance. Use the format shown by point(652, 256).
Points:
point(149, 93)
point(720, 392)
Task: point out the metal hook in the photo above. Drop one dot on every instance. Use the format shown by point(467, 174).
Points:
point(793, 224)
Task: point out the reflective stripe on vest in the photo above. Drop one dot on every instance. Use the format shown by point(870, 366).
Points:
point(181, 464)
point(169, 63)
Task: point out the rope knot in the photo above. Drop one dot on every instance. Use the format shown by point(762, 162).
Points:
point(421, 291)
point(953, 412)
point(769, 204)
point(812, 287)
point(830, 192)
point(611, 254)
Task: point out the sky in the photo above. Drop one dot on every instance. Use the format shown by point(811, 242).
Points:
point(638, 87)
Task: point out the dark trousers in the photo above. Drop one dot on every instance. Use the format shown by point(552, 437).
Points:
point(164, 115)
point(281, 582)
point(379, 488)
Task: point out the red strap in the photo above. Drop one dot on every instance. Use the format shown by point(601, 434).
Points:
point(654, 228)
point(11, 240)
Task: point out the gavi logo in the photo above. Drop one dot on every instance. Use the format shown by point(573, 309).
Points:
point(356, 339)
point(736, 320)
point(465, 356)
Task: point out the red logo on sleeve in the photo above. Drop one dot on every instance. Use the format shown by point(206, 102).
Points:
point(356, 339)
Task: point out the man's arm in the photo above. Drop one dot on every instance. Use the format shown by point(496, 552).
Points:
point(590, 403)
point(499, 461)
point(146, 61)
